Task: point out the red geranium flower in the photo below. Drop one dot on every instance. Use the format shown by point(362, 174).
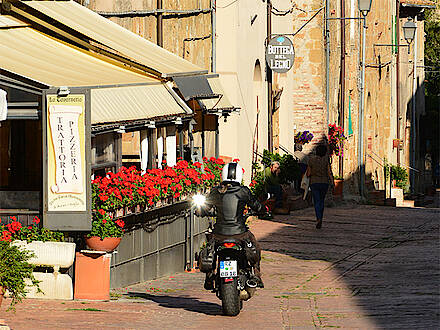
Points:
point(6, 236)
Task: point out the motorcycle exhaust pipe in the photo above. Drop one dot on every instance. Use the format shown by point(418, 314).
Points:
point(251, 287)
point(251, 283)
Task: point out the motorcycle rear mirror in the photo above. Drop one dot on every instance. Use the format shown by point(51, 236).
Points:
point(268, 196)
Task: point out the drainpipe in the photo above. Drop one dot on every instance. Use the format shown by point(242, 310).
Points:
point(361, 161)
point(342, 104)
point(159, 24)
point(327, 59)
point(269, 80)
point(413, 115)
point(397, 79)
point(214, 69)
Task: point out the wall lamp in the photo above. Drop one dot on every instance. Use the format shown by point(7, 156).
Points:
point(178, 121)
point(364, 6)
point(63, 91)
point(150, 124)
point(121, 130)
point(409, 32)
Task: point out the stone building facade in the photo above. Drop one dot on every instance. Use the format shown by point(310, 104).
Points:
point(389, 85)
point(390, 88)
point(186, 25)
point(313, 93)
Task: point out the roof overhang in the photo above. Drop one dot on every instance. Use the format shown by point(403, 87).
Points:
point(90, 30)
point(417, 4)
point(221, 104)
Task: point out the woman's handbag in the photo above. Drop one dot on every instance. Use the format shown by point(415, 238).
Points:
point(305, 185)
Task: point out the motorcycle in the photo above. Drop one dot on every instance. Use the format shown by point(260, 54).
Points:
point(228, 260)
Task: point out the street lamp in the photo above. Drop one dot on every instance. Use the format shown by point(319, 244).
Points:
point(364, 6)
point(409, 30)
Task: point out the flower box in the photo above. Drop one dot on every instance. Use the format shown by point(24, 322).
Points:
point(52, 254)
point(53, 285)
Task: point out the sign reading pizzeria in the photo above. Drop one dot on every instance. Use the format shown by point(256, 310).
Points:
point(66, 153)
point(280, 54)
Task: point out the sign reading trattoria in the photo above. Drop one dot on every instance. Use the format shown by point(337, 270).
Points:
point(280, 54)
point(66, 153)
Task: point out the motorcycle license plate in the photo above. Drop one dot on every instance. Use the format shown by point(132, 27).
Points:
point(228, 268)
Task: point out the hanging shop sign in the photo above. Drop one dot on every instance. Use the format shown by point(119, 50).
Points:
point(66, 163)
point(280, 54)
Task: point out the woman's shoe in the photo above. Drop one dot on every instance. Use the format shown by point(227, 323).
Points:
point(319, 224)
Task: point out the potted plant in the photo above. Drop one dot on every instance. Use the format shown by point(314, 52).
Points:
point(106, 232)
point(339, 185)
point(48, 247)
point(336, 139)
point(15, 271)
point(302, 138)
point(130, 190)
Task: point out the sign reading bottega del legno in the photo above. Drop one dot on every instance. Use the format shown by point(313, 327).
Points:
point(280, 54)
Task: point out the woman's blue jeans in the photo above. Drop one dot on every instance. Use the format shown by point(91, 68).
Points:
point(318, 193)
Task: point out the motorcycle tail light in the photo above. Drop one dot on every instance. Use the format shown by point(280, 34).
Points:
point(229, 245)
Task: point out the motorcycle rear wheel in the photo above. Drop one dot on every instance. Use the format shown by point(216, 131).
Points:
point(230, 298)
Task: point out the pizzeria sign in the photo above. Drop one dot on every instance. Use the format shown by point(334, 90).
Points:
point(280, 54)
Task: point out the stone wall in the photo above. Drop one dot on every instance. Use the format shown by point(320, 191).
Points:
point(309, 73)
point(177, 28)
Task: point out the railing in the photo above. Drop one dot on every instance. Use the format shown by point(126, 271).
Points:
point(158, 242)
point(384, 164)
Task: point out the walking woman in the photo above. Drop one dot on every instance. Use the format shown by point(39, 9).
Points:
point(320, 174)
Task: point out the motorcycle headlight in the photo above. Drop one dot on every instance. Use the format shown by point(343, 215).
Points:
point(199, 200)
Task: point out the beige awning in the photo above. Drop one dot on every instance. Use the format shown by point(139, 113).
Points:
point(117, 94)
point(31, 54)
point(134, 103)
point(221, 103)
point(110, 34)
point(7, 21)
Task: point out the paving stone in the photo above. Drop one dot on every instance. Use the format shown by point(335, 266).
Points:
point(369, 267)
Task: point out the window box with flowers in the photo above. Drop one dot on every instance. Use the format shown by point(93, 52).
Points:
point(48, 250)
point(302, 138)
point(336, 140)
point(129, 191)
point(48, 246)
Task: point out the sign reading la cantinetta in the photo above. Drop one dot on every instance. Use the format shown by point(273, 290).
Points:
point(280, 54)
point(66, 153)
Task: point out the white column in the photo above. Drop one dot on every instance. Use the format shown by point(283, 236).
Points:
point(159, 148)
point(144, 150)
point(171, 145)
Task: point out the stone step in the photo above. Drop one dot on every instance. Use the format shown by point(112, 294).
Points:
point(407, 203)
point(376, 197)
point(390, 202)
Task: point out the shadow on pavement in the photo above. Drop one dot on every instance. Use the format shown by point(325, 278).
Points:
point(182, 302)
point(388, 257)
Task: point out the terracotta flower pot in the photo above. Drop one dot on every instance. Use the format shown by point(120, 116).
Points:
point(107, 244)
point(339, 185)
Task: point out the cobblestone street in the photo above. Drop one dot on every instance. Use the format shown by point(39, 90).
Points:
point(368, 268)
